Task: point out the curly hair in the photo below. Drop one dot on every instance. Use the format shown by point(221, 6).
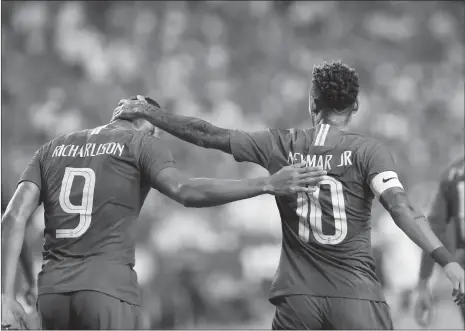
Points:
point(335, 85)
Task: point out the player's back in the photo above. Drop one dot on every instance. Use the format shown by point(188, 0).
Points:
point(92, 192)
point(326, 235)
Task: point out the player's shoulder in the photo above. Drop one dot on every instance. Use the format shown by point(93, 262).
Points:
point(68, 137)
point(362, 140)
point(290, 134)
point(144, 143)
point(362, 146)
point(61, 139)
point(286, 140)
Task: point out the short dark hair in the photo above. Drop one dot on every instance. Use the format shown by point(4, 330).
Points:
point(335, 85)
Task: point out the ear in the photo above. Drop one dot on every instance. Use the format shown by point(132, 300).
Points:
point(312, 107)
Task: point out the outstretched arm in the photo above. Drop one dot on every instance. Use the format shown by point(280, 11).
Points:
point(190, 129)
point(20, 209)
point(417, 228)
point(157, 168)
point(409, 220)
point(208, 192)
point(438, 220)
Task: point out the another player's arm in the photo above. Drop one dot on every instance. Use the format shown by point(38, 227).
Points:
point(20, 209)
point(438, 219)
point(158, 168)
point(209, 192)
point(191, 129)
point(256, 147)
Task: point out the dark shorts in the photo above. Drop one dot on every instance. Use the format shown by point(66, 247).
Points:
point(304, 312)
point(85, 310)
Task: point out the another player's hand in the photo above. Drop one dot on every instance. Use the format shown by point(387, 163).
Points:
point(14, 316)
point(424, 307)
point(295, 178)
point(456, 275)
point(134, 107)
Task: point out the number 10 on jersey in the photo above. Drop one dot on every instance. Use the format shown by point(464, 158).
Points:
point(310, 214)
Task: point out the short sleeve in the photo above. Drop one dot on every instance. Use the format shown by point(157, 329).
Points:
point(256, 147)
point(154, 155)
point(381, 171)
point(32, 173)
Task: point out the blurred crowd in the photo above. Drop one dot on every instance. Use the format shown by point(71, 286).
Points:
point(246, 65)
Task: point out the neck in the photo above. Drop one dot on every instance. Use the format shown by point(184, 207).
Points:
point(124, 124)
point(338, 121)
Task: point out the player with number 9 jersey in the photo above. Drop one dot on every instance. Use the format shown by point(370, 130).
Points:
point(92, 187)
point(93, 184)
point(326, 245)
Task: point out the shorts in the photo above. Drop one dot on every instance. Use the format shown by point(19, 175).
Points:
point(304, 312)
point(86, 310)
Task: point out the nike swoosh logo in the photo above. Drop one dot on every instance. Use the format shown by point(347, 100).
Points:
point(388, 179)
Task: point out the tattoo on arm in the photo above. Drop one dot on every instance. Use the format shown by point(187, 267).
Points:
point(409, 220)
point(193, 130)
point(396, 202)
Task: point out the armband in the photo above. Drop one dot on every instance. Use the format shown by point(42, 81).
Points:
point(383, 181)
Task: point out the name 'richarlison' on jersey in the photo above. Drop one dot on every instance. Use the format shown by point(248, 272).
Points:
point(87, 150)
point(321, 161)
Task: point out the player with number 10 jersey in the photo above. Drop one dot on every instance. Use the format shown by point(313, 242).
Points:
point(326, 235)
point(326, 274)
point(326, 246)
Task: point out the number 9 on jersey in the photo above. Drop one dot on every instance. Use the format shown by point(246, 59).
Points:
point(85, 208)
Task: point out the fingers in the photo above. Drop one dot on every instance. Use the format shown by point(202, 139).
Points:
point(319, 176)
point(305, 189)
point(309, 180)
point(459, 296)
point(313, 172)
point(299, 165)
point(132, 101)
point(459, 300)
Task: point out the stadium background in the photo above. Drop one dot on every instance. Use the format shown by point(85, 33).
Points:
point(242, 65)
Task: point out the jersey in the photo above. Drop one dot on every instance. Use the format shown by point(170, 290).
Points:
point(93, 184)
point(326, 243)
point(449, 203)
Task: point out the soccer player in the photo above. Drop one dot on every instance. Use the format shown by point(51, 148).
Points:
point(93, 184)
point(326, 275)
point(448, 206)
